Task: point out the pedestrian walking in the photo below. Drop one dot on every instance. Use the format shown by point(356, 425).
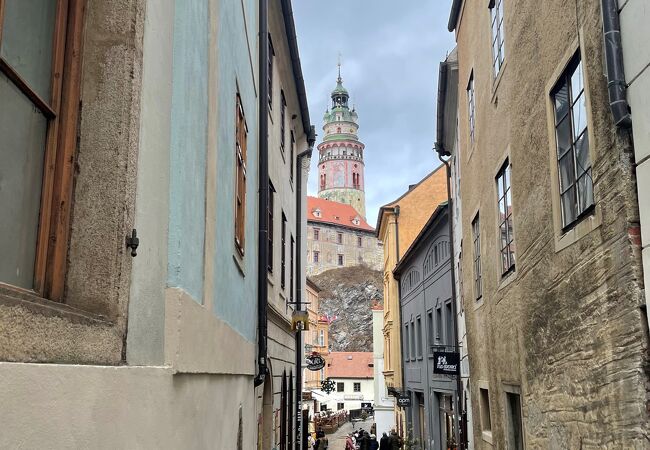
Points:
point(395, 441)
point(374, 445)
point(349, 443)
point(364, 443)
point(384, 442)
point(323, 443)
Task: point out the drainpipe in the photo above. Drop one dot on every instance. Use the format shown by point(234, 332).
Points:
point(614, 63)
point(440, 149)
point(306, 155)
point(399, 300)
point(263, 197)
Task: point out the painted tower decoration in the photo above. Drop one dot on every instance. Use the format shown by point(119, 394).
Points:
point(340, 164)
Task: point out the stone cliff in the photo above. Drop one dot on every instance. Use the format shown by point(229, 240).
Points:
point(347, 295)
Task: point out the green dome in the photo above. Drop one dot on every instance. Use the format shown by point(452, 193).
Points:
point(339, 89)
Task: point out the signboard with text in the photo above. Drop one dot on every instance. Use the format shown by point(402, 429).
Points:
point(446, 363)
point(404, 401)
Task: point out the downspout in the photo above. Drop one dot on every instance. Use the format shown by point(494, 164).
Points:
point(263, 197)
point(440, 149)
point(614, 64)
point(311, 139)
point(399, 300)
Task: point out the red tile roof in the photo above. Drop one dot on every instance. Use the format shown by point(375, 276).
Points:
point(350, 365)
point(335, 213)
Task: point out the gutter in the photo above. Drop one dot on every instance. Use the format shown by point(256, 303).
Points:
point(453, 16)
point(440, 115)
point(311, 139)
point(263, 197)
point(616, 85)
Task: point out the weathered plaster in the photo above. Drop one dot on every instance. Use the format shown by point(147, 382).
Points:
point(122, 407)
point(188, 147)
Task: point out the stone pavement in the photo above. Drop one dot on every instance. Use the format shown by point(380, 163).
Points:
point(337, 439)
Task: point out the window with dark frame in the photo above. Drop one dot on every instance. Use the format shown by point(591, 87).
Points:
point(292, 156)
point(407, 347)
point(357, 387)
point(292, 269)
point(413, 344)
point(506, 231)
point(476, 238)
point(339, 238)
point(241, 133)
point(471, 106)
point(283, 114)
point(359, 241)
point(430, 334)
point(270, 225)
point(572, 141)
point(449, 325)
point(270, 76)
point(340, 260)
point(498, 37)
point(419, 336)
point(39, 94)
point(316, 256)
point(316, 233)
point(340, 406)
point(340, 387)
point(486, 421)
point(283, 251)
point(515, 436)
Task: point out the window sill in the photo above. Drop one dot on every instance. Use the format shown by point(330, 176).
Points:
point(239, 263)
point(507, 278)
point(497, 81)
point(581, 229)
point(487, 436)
point(478, 304)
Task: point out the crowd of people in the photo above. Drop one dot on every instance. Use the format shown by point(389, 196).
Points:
point(363, 440)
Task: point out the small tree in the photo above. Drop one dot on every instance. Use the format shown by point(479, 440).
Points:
point(410, 442)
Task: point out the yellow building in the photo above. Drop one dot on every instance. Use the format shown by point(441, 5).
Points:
point(398, 224)
point(316, 338)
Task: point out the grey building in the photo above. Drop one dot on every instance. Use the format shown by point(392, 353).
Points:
point(427, 326)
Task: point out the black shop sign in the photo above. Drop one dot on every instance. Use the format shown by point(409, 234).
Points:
point(404, 401)
point(446, 363)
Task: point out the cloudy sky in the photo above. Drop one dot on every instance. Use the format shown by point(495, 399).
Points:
point(390, 55)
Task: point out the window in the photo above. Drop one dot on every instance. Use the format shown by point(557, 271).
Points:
point(316, 256)
point(498, 47)
point(339, 238)
point(359, 241)
point(430, 334)
point(340, 260)
point(357, 387)
point(419, 345)
point(292, 156)
point(270, 76)
point(476, 237)
point(323, 407)
point(486, 423)
point(321, 338)
point(515, 436)
point(322, 374)
point(323, 181)
point(283, 116)
point(572, 139)
point(413, 348)
point(438, 324)
point(340, 387)
point(270, 225)
point(407, 347)
point(506, 232)
point(283, 251)
point(291, 269)
point(449, 325)
point(38, 131)
point(340, 406)
point(241, 133)
point(316, 233)
point(471, 106)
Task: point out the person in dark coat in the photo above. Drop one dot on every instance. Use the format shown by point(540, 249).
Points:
point(374, 445)
point(384, 442)
point(395, 441)
point(364, 442)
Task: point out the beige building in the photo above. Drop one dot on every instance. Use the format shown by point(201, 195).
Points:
point(551, 262)
point(398, 224)
point(316, 338)
point(338, 236)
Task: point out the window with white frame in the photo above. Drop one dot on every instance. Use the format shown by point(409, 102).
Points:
point(572, 140)
point(471, 103)
point(498, 47)
point(506, 232)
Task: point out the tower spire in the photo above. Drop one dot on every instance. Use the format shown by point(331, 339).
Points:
point(339, 80)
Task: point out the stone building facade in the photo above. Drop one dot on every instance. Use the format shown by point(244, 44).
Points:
point(153, 114)
point(340, 163)
point(338, 236)
point(398, 224)
point(551, 262)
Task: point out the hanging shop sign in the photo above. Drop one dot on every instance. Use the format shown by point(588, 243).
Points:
point(404, 401)
point(446, 363)
point(328, 386)
point(315, 362)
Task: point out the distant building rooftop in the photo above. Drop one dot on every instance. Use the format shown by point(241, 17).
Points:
point(335, 213)
point(350, 365)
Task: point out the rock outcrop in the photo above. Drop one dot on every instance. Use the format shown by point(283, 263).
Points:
point(347, 295)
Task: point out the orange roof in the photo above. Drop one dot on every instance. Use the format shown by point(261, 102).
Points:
point(335, 213)
point(350, 365)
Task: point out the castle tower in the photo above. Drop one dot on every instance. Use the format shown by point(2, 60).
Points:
point(340, 163)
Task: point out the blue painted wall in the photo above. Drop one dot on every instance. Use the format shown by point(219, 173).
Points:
point(188, 147)
point(235, 293)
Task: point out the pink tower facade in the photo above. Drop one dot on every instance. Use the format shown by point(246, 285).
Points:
point(340, 164)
